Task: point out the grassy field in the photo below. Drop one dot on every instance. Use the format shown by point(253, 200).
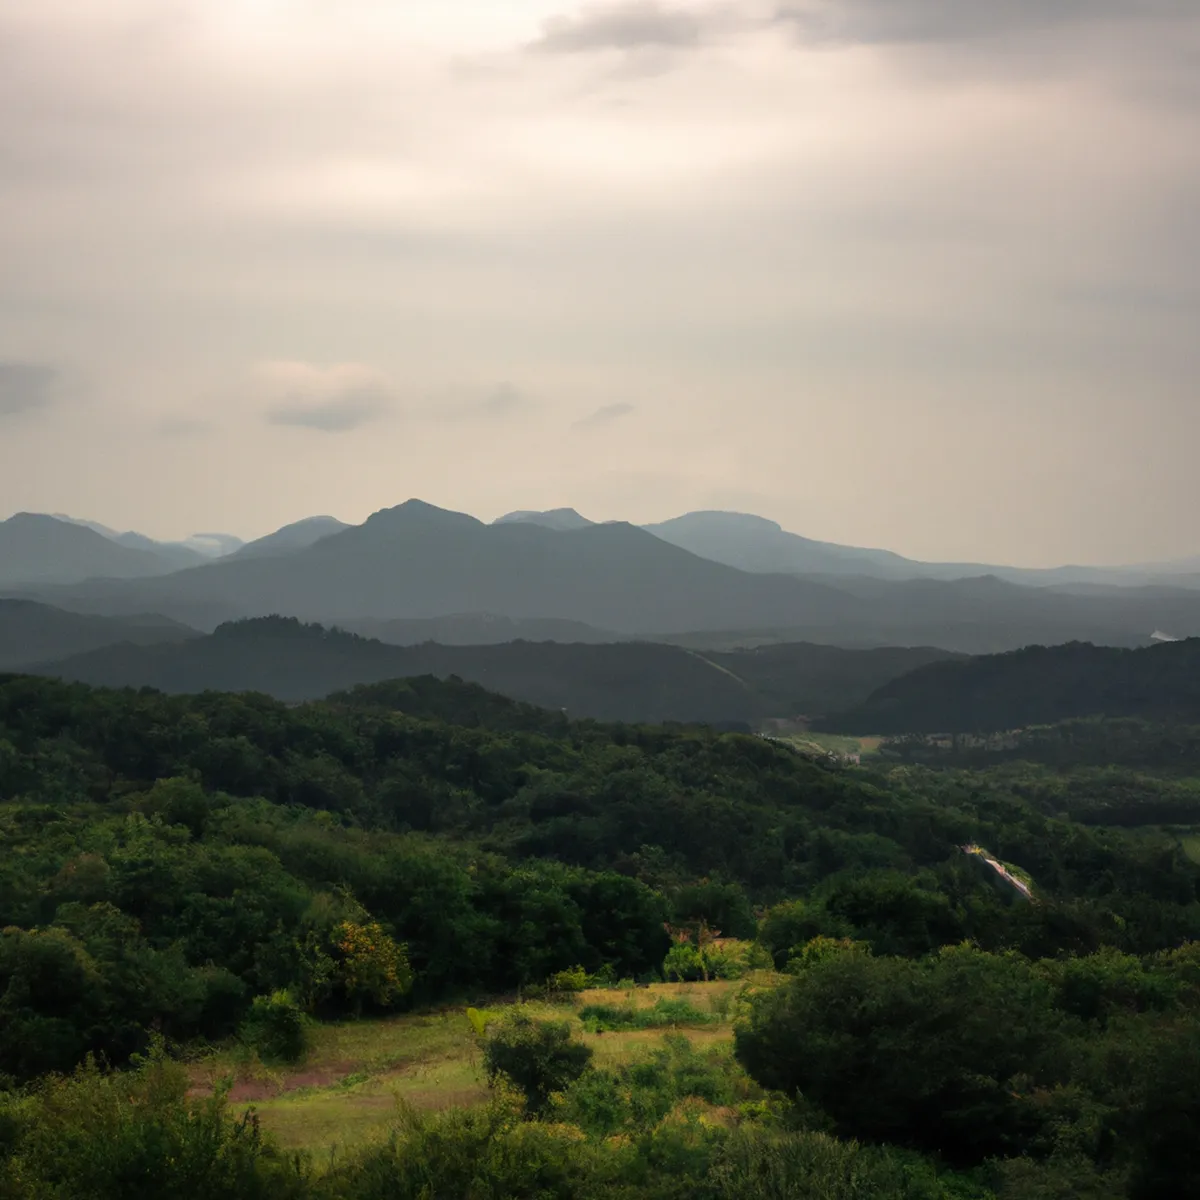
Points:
point(349, 1086)
point(1191, 846)
point(832, 743)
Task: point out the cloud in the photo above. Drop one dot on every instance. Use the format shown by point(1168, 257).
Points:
point(502, 400)
point(24, 387)
point(629, 26)
point(605, 415)
point(333, 399)
point(940, 21)
point(330, 416)
point(182, 427)
point(466, 404)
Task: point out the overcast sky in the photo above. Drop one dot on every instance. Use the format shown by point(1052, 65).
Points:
point(922, 274)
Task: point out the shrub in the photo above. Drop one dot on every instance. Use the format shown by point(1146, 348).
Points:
point(637, 1095)
point(725, 960)
point(478, 1155)
point(598, 1018)
point(538, 1058)
point(815, 1166)
point(276, 1028)
point(135, 1136)
point(947, 1054)
point(572, 980)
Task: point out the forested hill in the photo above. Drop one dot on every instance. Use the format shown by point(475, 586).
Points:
point(200, 833)
point(32, 633)
point(632, 681)
point(1035, 686)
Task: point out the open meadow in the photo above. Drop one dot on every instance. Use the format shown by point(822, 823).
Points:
point(356, 1076)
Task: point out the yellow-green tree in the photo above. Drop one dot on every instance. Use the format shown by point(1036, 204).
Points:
point(372, 965)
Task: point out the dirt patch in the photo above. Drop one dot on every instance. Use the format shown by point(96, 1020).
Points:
point(267, 1087)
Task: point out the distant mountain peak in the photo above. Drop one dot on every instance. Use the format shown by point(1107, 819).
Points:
point(731, 522)
point(298, 535)
point(417, 508)
point(562, 519)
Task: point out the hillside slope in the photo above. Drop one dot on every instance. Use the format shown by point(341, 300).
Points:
point(298, 535)
point(419, 561)
point(1034, 686)
point(629, 681)
point(754, 543)
point(37, 549)
point(32, 633)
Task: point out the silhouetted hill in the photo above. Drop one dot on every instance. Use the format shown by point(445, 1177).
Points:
point(296, 536)
point(1034, 686)
point(629, 681)
point(478, 629)
point(174, 556)
point(38, 549)
point(419, 561)
point(454, 701)
point(32, 633)
point(754, 543)
point(554, 518)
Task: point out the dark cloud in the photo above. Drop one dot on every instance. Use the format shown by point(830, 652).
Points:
point(932, 21)
point(629, 26)
point(605, 415)
point(336, 414)
point(24, 387)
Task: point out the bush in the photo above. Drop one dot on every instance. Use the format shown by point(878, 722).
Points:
point(276, 1028)
point(949, 1054)
point(538, 1058)
point(598, 1018)
point(135, 1136)
point(572, 980)
point(727, 959)
point(814, 1166)
point(637, 1095)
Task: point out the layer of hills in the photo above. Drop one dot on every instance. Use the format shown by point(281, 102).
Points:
point(1037, 685)
point(36, 548)
point(753, 543)
point(32, 633)
point(883, 691)
point(629, 681)
point(407, 571)
point(741, 540)
point(879, 691)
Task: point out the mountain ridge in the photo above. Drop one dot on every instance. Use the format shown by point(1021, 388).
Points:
point(630, 681)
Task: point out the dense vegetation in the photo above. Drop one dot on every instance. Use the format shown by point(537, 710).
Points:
point(176, 868)
point(1038, 685)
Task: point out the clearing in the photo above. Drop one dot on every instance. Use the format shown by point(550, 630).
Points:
point(347, 1089)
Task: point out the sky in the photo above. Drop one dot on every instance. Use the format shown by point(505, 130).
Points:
point(918, 274)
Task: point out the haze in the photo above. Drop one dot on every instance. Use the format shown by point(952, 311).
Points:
point(891, 272)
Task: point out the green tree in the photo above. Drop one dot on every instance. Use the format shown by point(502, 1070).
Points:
point(539, 1058)
point(942, 1054)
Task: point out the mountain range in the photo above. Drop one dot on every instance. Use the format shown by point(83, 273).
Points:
point(627, 681)
point(36, 549)
point(742, 540)
point(416, 573)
